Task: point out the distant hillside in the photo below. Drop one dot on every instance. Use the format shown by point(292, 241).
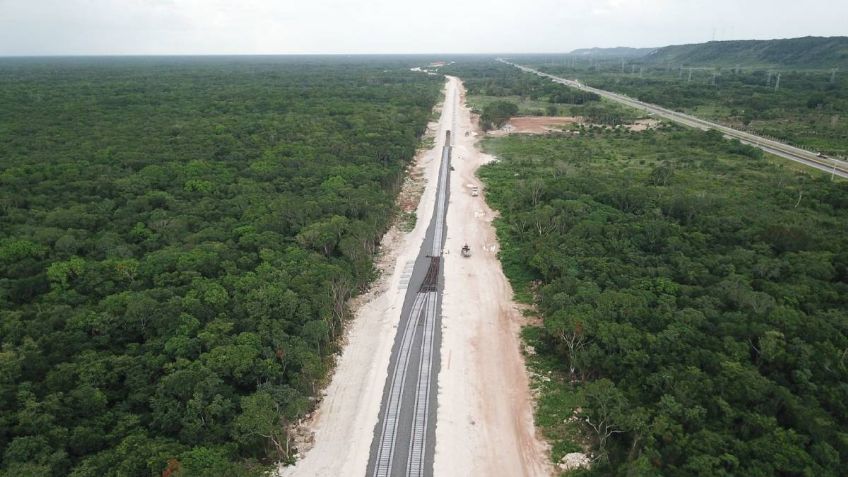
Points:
point(617, 52)
point(806, 52)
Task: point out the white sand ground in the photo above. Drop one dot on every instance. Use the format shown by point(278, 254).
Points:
point(343, 424)
point(484, 423)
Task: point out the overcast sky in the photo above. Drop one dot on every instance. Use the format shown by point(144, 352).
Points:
point(82, 27)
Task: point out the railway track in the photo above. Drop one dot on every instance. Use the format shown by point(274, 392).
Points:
point(403, 443)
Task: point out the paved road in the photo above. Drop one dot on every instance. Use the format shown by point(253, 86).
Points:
point(833, 166)
point(404, 437)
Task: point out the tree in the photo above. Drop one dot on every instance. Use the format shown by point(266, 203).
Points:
point(662, 174)
point(262, 418)
point(604, 412)
point(323, 236)
point(496, 113)
point(569, 326)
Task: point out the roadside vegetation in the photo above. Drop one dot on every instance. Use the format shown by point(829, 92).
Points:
point(693, 300)
point(807, 108)
point(490, 85)
point(178, 239)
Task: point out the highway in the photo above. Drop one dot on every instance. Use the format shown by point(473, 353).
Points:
point(832, 166)
point(404, 437)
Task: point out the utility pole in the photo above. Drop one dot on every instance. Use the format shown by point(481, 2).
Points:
point(680, 72)
point(622, 65)
point(641, 70)
point(690, 76)
point(833, 75)
point(768, 79)
point(715, 73)
point(777, 83)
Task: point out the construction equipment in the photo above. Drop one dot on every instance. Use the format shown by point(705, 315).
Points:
point(475, 191)
point(466, 251)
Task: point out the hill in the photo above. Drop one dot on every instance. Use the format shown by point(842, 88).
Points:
point(806, 52)
point(617, 52)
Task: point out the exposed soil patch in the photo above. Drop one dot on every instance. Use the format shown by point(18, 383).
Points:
point(643, 125)
point(535, 124)
point(547, 124)
point(485, 409)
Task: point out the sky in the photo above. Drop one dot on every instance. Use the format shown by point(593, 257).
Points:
point(179, 27)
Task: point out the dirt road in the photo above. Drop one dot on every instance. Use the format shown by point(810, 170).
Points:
point(484, 423)
point(485, 416)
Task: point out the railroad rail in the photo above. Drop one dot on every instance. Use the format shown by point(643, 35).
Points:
point(402, 411)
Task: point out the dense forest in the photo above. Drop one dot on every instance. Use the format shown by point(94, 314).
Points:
point(693, 301)
point(178, 239)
